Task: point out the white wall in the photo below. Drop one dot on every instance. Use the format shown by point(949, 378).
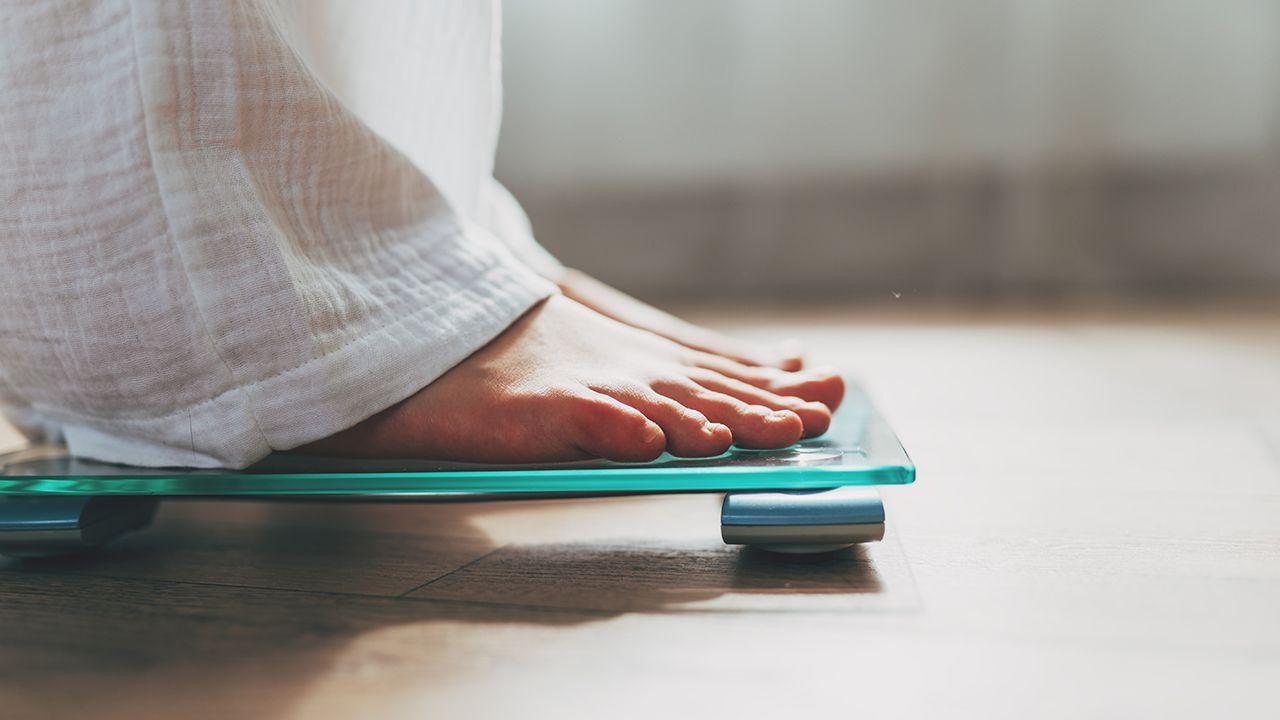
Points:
point(633, 91)
point(864, 146)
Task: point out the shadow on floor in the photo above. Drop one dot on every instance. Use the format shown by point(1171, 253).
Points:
point(294, 587)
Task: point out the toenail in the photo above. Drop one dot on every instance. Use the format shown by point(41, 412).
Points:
point(651, 433)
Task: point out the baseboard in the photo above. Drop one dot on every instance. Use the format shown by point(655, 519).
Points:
point(1114, 233)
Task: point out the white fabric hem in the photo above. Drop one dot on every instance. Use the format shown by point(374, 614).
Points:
point(327, 395)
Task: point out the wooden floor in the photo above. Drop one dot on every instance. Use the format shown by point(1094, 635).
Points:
point(1095, 533)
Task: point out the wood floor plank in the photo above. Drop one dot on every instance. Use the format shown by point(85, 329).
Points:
point(659, 576)
point(292, 546)
point(378, 662)
point(147, 648)
point(659, 554)
point(789, 665)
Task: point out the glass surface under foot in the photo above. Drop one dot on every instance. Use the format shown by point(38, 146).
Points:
point(860, 449)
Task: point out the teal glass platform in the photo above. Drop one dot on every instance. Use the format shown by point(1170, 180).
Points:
point(859, 449)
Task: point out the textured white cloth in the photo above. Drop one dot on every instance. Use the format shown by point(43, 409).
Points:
point(233, 226)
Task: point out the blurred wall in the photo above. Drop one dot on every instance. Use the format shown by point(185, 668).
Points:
point(932, 147)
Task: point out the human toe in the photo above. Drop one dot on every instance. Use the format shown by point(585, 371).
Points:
point(752, 426)
point(815, 416)
point(602, 426)
point(823, 385)
point(688, 432)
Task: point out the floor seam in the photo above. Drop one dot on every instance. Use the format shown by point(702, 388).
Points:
point(451, 572)
point(334, 593)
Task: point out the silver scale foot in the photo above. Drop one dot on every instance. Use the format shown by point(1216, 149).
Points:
point(60, 525)
point(787, 522)
point(803, 521)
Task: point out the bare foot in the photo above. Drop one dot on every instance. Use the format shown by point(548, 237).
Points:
point(565, 383)
point(626, 309)
point(777, 370)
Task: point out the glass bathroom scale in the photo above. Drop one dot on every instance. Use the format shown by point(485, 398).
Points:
point(859, 449)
